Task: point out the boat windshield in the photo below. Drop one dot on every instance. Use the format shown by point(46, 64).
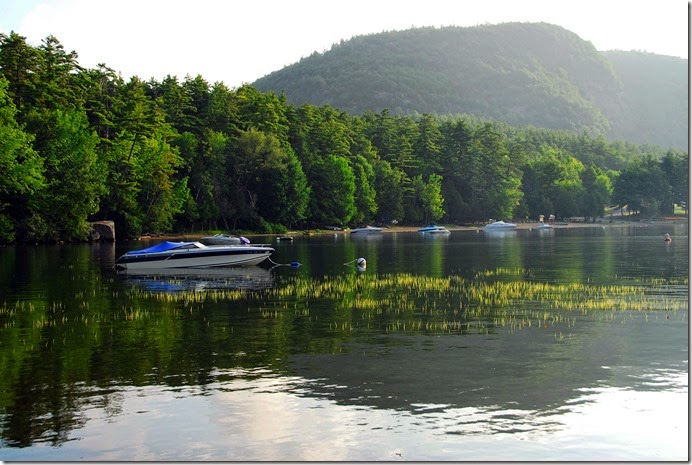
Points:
point(162, 247)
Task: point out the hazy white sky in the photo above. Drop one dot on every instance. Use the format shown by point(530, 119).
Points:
point(240, 41)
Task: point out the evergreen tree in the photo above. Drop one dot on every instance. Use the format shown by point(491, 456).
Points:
point(19, 64)
point(160, 195)
point(675, 166)
point(365, 195)
point(432, 199)
point(389, 192)
point(334, 187)
point(642, 187)
point(427, 146)
point(597, 190)
point(21, 167)
point(73, 177)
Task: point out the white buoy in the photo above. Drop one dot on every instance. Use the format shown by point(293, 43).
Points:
point(361, 262)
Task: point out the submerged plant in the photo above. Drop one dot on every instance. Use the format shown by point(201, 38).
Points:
point(405, 302)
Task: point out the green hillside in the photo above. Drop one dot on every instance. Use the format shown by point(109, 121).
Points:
point(524, 74)
point(656, 97)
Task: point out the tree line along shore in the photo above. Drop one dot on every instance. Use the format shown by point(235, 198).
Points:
point(84, 145)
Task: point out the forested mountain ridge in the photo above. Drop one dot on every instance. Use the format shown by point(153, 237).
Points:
point(80, 145)
point(523, 74)
point(655, 90)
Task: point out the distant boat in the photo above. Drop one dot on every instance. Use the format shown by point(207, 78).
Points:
point(500, 226)
point(192, 255)
point(544, 226)
point(433, 229)
point(224, 239)
point(366, 230)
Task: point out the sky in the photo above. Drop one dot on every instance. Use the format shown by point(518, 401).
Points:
point(237, 42)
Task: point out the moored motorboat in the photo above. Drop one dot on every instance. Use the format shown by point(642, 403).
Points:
point(193, 255)
point(500, 226)
point(434, 229)
point(367, 230)
point(224, 239)
point(543, 226)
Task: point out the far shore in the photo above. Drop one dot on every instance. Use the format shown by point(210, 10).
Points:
point(600, 223)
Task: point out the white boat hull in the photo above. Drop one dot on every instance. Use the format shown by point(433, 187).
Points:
point(371, 230)
point(500, 226)
point(437, 230)
point(214, 256)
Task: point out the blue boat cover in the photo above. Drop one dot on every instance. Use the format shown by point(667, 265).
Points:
point(162, 247)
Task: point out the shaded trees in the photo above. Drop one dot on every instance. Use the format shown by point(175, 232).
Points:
point(643, 187)
point(491, 181)
point(73, 177)
point(79, 145)
point(21, 167)
point(19, 64)
point(597, 189)
point(268, 181)
point(389, 194)
point(675, 166)
point(333, 190)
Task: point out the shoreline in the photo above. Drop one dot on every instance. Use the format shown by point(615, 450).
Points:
point(394, 229)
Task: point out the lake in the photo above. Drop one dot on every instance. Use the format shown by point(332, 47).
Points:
point(569, 344)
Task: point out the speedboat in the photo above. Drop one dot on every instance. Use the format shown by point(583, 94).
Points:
point(433, 229)
point(500, 226)
point(224, 239)
point(193, 255)
point(366, 230)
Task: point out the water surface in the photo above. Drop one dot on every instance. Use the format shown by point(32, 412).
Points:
point(347, 364)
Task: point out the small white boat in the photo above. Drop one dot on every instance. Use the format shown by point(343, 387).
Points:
point(224, 239)
point(366, 230)
point(192, 255)
point(544, 226)
point(433, 229)
point(500, 226)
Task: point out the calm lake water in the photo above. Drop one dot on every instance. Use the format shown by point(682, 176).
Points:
point(569, 344)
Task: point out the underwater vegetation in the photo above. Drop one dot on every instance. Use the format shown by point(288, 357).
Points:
point(500, 298)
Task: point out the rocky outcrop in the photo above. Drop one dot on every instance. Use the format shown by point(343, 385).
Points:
point(102, 230)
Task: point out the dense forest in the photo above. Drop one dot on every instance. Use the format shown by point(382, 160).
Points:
point(523, 74)
point(79, 145)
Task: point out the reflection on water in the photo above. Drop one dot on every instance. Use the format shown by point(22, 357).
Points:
point(258, 416)
point(189, 279)
point(500, 234)
point(342, 368)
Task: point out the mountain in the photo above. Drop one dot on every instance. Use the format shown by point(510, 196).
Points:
point(655, 89)
point(524, 74)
